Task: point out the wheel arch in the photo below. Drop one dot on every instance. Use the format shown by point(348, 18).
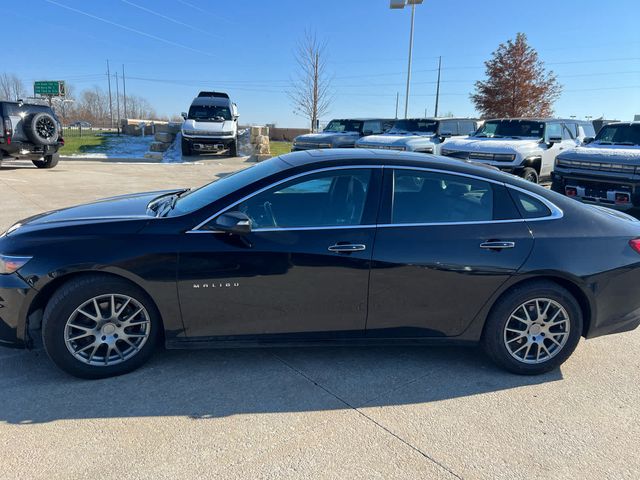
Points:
point(534, 161)
point(40, 301)
point(572, 287)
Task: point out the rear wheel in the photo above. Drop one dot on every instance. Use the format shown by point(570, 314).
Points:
point(49, 161)
point(99, 326)
point(533, 328)
point(530, 175)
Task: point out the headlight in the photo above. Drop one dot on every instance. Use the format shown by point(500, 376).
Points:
point(10, 263)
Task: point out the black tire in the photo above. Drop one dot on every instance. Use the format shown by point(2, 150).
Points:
point(41, 129)
point(530, 175)
point(233, 149)
point(494, 337)
point(186, 148)
point(72, 295)
point(49, 161)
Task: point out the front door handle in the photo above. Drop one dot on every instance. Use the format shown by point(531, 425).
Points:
point(497, 245)
point(347, 247)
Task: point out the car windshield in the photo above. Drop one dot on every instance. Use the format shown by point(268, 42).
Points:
point(344, 126)
point(414, 126)
point(209, 112)
point(628, 134)
point(201, 197)
point(511, 129)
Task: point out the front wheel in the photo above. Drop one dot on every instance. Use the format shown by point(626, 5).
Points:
point(186, 148)
point(49, 161)
point(233, 149)
point(530, 175)
point(99, 326)
point(533, 328)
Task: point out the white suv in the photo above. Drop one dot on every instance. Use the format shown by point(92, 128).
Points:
point(211, 125)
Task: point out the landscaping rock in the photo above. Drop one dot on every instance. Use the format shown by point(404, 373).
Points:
point(159, 146)
point(153, 155)
point(165, 137)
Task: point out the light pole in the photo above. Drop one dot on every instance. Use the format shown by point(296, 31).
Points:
point(402, 4)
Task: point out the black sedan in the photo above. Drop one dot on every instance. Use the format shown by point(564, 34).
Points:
point(323, 247)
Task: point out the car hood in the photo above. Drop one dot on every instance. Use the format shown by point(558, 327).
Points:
point(491, 145)
point(124, 207)
point(327, 137)
point(391, 139)
point(226, 126)
point(604, 153)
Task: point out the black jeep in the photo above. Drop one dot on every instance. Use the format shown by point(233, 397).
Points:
point(30, 131)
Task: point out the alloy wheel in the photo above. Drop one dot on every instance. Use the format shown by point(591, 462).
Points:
point(537, 330)
point(45, 127)
point(107, 330)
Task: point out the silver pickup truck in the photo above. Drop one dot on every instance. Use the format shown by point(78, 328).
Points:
point(523, 146)
point(425, 135)
point(606, 171)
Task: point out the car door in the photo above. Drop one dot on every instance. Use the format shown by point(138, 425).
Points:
point(444, 245)
point(303, 271)
point(551, 151)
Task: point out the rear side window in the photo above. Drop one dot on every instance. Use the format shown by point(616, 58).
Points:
point(467, 127)
point(449, 126)
point(529, 206)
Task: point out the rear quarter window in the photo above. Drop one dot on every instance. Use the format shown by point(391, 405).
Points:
point(529, 206)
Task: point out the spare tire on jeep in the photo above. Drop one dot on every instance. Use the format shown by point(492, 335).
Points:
point(41, 128)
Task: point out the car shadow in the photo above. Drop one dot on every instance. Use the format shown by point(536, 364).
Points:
point(205, 384)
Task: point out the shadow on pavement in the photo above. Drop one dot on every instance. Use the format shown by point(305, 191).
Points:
point(220, 383)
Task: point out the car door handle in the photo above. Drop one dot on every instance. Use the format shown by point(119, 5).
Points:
point(497, 245)
point(347, 247)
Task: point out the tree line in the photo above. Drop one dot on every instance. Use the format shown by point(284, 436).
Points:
point(89, 105)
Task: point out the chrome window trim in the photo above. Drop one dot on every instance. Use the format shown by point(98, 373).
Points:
point(556, 212)
point(272, 185)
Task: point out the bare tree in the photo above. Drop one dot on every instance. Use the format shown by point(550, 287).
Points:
point(517, 83)
point(310, 90)
point(11, 87)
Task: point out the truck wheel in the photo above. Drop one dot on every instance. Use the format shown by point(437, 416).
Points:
point(49, 161)
point(186, 148)
point(530, 175)
point(233, 149)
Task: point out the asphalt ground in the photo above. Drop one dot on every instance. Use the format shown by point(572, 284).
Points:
point(340, 413)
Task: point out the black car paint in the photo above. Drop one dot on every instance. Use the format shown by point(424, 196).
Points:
point(423, 283)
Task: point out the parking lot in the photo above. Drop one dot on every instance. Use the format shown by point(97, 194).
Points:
point(401, 412)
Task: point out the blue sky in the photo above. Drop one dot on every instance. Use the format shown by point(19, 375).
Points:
point(246, 48)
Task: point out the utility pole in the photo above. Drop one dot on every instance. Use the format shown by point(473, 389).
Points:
point(124, 92)
point(118, 103)
point(406, 100)
point(438, 86)
point(397, 99)
point(110, 102)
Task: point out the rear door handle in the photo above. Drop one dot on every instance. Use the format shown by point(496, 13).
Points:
point(347, 247)
point(497, 245)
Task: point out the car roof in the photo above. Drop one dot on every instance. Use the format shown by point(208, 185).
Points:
point(360, 119)
point(211, 101)
point(363, 156)
point(439, 119)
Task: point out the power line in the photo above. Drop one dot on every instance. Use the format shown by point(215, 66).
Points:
point(133, 30)
point(170, 19)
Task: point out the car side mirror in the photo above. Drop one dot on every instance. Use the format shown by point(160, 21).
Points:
point(234, 222)
point(554, 140)
point(184, 115)
point(588, 140)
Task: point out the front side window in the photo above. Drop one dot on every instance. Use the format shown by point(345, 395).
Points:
point(372, 127)
point(211, 113)
point(554, 130)
point(430, 197)
point(449, 126)
point(324, 199)
point(467, 127)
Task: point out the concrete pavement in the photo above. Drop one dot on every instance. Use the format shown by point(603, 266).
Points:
point(304, 413)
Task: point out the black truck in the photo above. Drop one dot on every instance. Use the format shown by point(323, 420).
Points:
point(30, 131)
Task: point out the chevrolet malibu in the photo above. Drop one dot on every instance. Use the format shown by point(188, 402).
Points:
point(323, 247)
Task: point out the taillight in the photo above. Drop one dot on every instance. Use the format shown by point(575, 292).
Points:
point(622, 198)
point(571, 191)
point(635, 244)
point(8, 130)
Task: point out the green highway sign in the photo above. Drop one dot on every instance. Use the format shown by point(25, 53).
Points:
point(49, 88)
